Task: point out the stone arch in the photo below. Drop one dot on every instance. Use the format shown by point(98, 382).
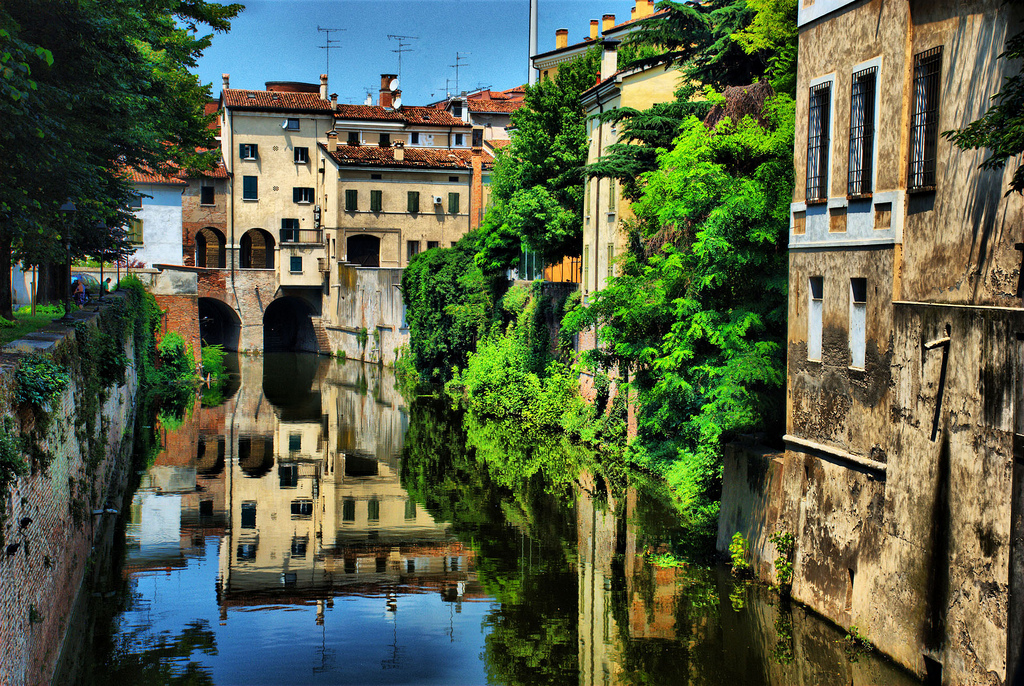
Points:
point(256, 455)
point(219, 324)
point(363, 250)
point(211, 248)
point(256, 250)
point(288, 326)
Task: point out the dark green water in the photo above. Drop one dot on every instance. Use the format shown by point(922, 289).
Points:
point(312, 529)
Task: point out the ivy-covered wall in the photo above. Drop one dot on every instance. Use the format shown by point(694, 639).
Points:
point(68, 398)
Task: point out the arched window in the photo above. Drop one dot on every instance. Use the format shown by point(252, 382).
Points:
point(257, 250)
point(210, 248)
point(364, 250)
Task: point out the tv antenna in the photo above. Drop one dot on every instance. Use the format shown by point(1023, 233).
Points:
point(402, 47)
point(328, 45)
point(458, 64)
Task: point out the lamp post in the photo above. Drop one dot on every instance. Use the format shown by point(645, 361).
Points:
point(67, 211)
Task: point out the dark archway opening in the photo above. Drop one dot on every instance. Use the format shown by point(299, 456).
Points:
point(256, 250)
point(364, 250)
point(218, 324)
point(256, 455)
point(211, 248)
point(291, 383)
point(288, 326)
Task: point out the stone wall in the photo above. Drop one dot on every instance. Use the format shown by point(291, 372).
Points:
point(53, 519)
point(371, 299)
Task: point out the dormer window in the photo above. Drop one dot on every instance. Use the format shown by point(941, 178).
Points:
point(385, 140)
point(353, 138)
point(457, 110)
point(414, 138)
point(458, 139)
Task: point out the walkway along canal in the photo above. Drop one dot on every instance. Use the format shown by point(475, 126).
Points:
point(313, 528)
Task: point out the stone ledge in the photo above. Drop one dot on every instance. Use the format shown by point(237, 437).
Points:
point(841, 455)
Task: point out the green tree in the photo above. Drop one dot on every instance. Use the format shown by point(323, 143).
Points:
point(537, 183)
point(1001, 129)
point(94, 88)
point(773, 33)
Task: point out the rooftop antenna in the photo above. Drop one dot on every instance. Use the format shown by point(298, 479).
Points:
point(458, 63)
point(328, 45)
point(402, 47)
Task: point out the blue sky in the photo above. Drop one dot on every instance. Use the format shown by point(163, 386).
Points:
point(277, 40)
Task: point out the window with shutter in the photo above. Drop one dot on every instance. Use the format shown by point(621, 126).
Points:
point(453, 203)
point(414, 202)
point(247, 151)
point(376, 201)
point(351, 200)
point(250, 188)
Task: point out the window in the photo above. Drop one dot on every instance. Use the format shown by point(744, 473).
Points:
point(348, 510)
point(135, 200)
point(250, 188)
point(302, 508)
point(414, 202)
point(247, 151)
point(301, 155)
point(858, 321)
point(302, 195)
point(414, 137)
point(292, 125)
point(458, 139)
point(289, 230)
point(586, 267)
point(246, 551)
point(611, 259)
point(206, 195)
point(411, 249)
point(431, 245)
point(410, 509)
point(924, 124)
point(351, 200)
point(611, 195)
point(453, 179)
point(376, 201)
point(862, 132)
point(385, 140)
point(453, 203)
point(288, 475)
point(373, 510)
point(457, 110)
point(375, 177)
point(816, 292)
point(299, 546)
point(353, 138)
point(478, 137)
point(295, 264)
point(295, 440)
point(818, 117)
point(135, 231)
point(249, 515)
point(205, 508)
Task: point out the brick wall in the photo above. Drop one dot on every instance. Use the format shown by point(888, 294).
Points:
point(42, 562)
point(181, 314)
point(195, 216)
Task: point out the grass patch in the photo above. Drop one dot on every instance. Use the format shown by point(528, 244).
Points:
point(24, 324)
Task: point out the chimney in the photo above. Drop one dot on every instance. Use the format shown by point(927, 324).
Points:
point(332, 141)
point(323, 86)
point(609, 58)
point(593, 29)
point(644, 8)
point(399, 151)
point(224, 79)
point(632, 12)
point(561, 39)
point(607, 21)
point(334, 101)
point(385, 89)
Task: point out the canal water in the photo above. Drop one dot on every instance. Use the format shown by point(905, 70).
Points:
point(306, 526)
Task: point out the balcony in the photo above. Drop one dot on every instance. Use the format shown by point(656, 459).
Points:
point(304, 236)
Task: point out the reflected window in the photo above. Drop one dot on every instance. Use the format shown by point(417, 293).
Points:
point(299, 546)
point(205, 508)
point(410, 566)
point(348, 510)
point(453, 564)
point(350, 565)
point(246, 551)
point(294, 442)
point(373, 510)
point(256, 455)
point(302, 508)
point(381, 565)
point(289, 475)
point(249, 515)
point(410, 509)
point(289, 578)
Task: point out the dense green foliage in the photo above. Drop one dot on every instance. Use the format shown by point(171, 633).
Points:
point(537, 182)
point(88, 89)
point(40, 381)
point(1001, 129)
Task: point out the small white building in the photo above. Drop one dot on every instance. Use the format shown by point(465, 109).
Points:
point(156, 231)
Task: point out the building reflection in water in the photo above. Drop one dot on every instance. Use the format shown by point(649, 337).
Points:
point(297, 478)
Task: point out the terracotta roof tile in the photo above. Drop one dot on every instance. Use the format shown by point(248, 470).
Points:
point(431, 158)
point(410, 115)
point(274, 101)
point(494, 105)
point(149, 176)
point(499, 143)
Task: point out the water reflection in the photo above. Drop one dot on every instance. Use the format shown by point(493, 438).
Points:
point(313, 529)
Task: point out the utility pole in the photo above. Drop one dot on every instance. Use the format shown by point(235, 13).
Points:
point(402, 47)
point(328, 46)
point(458, 63)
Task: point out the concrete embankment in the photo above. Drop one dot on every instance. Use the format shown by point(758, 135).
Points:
point(53, 517)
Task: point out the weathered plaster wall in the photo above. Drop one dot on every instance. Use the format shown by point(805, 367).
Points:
point(42, 562)
point(372, 299)
point(161, 224)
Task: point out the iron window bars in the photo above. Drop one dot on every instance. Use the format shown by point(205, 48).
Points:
point(818, 141)
point(924, 124)
point(862, 132)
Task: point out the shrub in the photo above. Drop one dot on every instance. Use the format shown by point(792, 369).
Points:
point(40, 380)
point(739, 551)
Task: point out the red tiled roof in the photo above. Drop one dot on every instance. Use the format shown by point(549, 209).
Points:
point(494, 105)
point(149, 176)
point(409, 115)
point(274, 101)
point(498, 143)
point(436, 158)
point(213, 107)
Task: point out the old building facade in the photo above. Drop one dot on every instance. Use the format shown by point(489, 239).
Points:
point(905, 378)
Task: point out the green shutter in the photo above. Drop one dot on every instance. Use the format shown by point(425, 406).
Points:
point(376, 201)
point(351, 200)
point(414, 202)
point(453, 203)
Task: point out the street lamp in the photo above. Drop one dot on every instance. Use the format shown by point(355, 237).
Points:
point(67, 211)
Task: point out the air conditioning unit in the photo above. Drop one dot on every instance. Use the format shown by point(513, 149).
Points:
point(437, 200)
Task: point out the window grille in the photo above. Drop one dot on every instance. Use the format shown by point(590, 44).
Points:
point(818, 141)
point(924, 124)
point(862, 132)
